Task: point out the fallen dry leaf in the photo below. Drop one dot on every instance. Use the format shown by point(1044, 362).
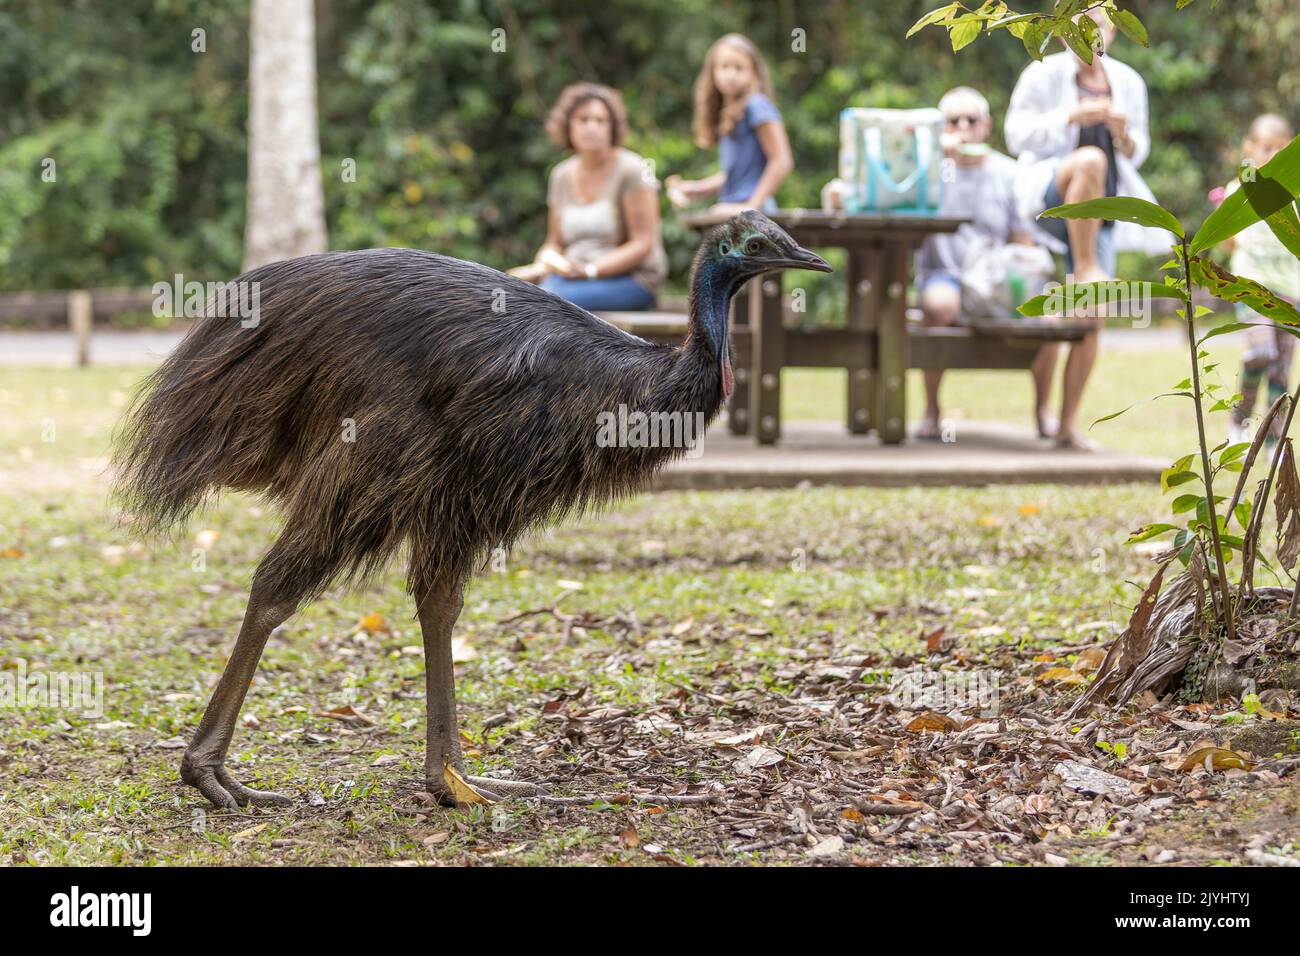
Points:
point(346, 713)
point(460, 788)
point(1061, 675)
point(1216, 758)
point(1088, 660)
point(629, 839)
point(373, 624)
point(245, 834)
point(762, 757)
point(939, 723)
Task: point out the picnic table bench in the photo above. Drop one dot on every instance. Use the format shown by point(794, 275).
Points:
point(878, 343)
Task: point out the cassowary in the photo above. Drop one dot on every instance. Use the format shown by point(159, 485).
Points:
point(393, 398)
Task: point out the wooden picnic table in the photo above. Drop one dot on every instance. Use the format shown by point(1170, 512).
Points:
point(873, 345)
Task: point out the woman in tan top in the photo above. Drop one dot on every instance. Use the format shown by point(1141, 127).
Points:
point(603, 249)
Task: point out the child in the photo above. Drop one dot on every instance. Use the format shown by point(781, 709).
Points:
point(1258, 254)
point(734, 111)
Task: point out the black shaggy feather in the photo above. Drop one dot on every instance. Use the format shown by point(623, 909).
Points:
point(474, 395)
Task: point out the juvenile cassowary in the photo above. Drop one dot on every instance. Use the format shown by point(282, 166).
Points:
point(392, 398)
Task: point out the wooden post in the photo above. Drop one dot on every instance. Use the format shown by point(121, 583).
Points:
point(864, 281)
point(738, 409)
point(81, 319)
point(891, 385)
point(768, 357)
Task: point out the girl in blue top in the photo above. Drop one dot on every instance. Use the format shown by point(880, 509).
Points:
point(734, 111)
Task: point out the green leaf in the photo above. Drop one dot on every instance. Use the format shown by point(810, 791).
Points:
point(1276, 184)
point(1126, 208)
point(963, 31)
point(1084, 294)
point(1209, 275)
point(1184, 503)
point(1202, 511)
point(1178, 467)
point(1130, 26)
point(934, 16)
point(1242, 511)
point(1112, 415)
point(1231, 541)
point(1076, 40)
point(1225, 329)
point(1233, 452)
point(1286, 227)
point(1035, 38)
point(1147, 532)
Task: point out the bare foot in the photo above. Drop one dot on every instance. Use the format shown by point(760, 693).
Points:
point(1075, 441)
point(1048, 425)
point(928, 430)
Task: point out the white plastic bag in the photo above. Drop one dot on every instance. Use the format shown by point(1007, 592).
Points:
point(997, 277)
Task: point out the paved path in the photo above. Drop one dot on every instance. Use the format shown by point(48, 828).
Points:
point(823, 453)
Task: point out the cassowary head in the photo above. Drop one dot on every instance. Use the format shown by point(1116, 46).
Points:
point(731, 255)
point(752, 244)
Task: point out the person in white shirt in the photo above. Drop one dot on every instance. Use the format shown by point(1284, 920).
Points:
point(1080, 132)
point(979, 186)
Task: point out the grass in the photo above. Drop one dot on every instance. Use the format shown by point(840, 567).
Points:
point(634, 613)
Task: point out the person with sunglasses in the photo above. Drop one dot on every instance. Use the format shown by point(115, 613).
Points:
point(979, 185)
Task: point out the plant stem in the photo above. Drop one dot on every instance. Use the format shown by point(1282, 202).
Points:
point(1188, 314)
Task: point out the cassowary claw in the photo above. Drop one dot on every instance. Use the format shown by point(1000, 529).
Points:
point(227, 793)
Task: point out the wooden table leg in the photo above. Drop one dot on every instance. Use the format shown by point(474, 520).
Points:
point(738, 408)
point(863, 263)
point(768, 357)
point(891, 384)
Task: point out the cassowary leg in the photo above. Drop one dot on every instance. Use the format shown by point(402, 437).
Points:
point(439, 607)
point(203, 764)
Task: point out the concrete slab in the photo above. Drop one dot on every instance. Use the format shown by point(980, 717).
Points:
point(824, 453)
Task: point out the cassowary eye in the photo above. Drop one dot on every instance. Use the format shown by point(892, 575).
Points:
point(753, 247)
point(724, 247)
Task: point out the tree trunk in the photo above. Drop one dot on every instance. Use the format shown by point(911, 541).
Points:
point(286, 204)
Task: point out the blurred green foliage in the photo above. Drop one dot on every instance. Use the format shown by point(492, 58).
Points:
point(148, 137)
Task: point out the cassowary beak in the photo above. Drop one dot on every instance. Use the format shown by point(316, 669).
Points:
point(799, 258)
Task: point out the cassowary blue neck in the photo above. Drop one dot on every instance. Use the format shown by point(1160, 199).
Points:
point(713, 285)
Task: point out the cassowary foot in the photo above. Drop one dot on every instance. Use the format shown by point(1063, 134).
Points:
point(506, 788)
point(490, 789)
point(224, 791)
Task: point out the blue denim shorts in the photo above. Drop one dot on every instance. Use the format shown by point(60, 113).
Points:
point(937, 277)
point(1106, 255)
